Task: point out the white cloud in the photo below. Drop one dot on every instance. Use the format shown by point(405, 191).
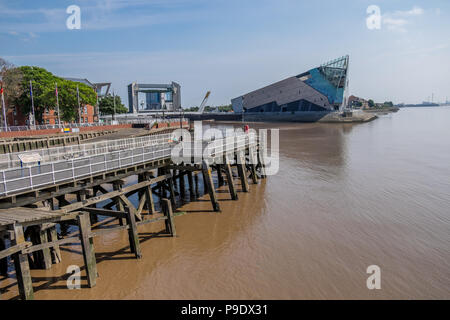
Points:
point(398, 20)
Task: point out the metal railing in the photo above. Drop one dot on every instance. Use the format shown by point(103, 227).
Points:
point(15, 180)
point(49, 126)
point(12, 160)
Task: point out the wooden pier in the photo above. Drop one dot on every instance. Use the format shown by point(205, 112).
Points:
point(29, 219)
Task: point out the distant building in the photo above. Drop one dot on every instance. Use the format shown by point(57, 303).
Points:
point(357, 103)
point(318, 90)
point(157, 97)
point(87, 115)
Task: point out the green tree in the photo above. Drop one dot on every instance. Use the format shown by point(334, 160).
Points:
point(44, 96)
point(106, 105)
point(371, 103)
point(388, 104)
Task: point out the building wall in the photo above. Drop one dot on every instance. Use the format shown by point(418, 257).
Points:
point(15, 117)
point(282, 92)
point(87, 115)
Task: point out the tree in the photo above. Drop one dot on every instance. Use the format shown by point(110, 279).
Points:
point(371, 103)
point(44, 96)
point(388, 104)
point(11, 78)
point(106, 105)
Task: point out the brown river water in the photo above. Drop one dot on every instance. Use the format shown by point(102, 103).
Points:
point(346, 196)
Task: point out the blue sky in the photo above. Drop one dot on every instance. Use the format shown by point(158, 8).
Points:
point(231, 47)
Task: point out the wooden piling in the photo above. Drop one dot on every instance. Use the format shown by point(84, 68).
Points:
point(4, 261)
point(46, 255)
point(21, 265)
point(206, 170)
point(220, 179)
point(191, 185)
point(242, 171)
point(230, 181)
point(197, 192)
point(133, 235)
point(168, 213)
point(56, 252)
point(87, 245)
point(252, 164)
point(117, 185)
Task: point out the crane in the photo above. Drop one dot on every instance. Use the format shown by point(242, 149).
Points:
point(205, 99)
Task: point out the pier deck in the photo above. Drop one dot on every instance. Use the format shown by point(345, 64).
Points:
point(79, 185)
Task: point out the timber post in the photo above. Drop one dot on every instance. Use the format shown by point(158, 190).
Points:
point(191, 185)
point(230, 181)
point(4, 261)
point(206, 170)
point(133, 235)
point(117, 186)
point(252, 164)
point(21, 264)
point(220, 179)
point(87, 245)
point(197, 192)
point(168, 213)
point(242, 172)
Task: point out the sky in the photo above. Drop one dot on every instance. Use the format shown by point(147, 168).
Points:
point(232, 47)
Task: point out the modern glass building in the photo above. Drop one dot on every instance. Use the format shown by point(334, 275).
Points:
point(321, 89)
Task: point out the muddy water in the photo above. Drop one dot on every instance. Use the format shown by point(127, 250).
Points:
point(346, 197)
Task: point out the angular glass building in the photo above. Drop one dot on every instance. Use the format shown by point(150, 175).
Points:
point(317, 91)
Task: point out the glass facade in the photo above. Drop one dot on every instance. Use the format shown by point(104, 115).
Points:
point(299, 105)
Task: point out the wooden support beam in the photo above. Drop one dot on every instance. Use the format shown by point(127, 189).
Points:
point(170, 221)
point(220, 179)
point(3, 260)
point(87, 244)
point(242, 171)
point(106, 212)
point(252, 164)
point(197, 192)
point(133, 235)
point(191, 185)
point(182, 185)
point(46, 256)
point(117, 186)
point(149, 204)
point(21, 264)
point(14, 249)
point(210, 185)
point(261, 163)
point(110, 195)
point(231, 186)
point(56, 252)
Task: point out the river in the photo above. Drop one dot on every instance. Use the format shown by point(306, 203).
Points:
point(346, 196)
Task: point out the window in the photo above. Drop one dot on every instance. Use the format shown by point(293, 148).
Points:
point(86, 120)
point(82, 120)
point(85, 110)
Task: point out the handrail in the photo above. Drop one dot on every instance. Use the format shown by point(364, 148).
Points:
point(14, 180)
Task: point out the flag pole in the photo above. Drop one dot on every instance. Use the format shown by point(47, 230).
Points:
point(32, 105)
point(5, 123)
point(57, 105)
point(79, 106)
point(114, 101)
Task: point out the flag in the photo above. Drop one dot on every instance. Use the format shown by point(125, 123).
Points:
point(1, 90)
